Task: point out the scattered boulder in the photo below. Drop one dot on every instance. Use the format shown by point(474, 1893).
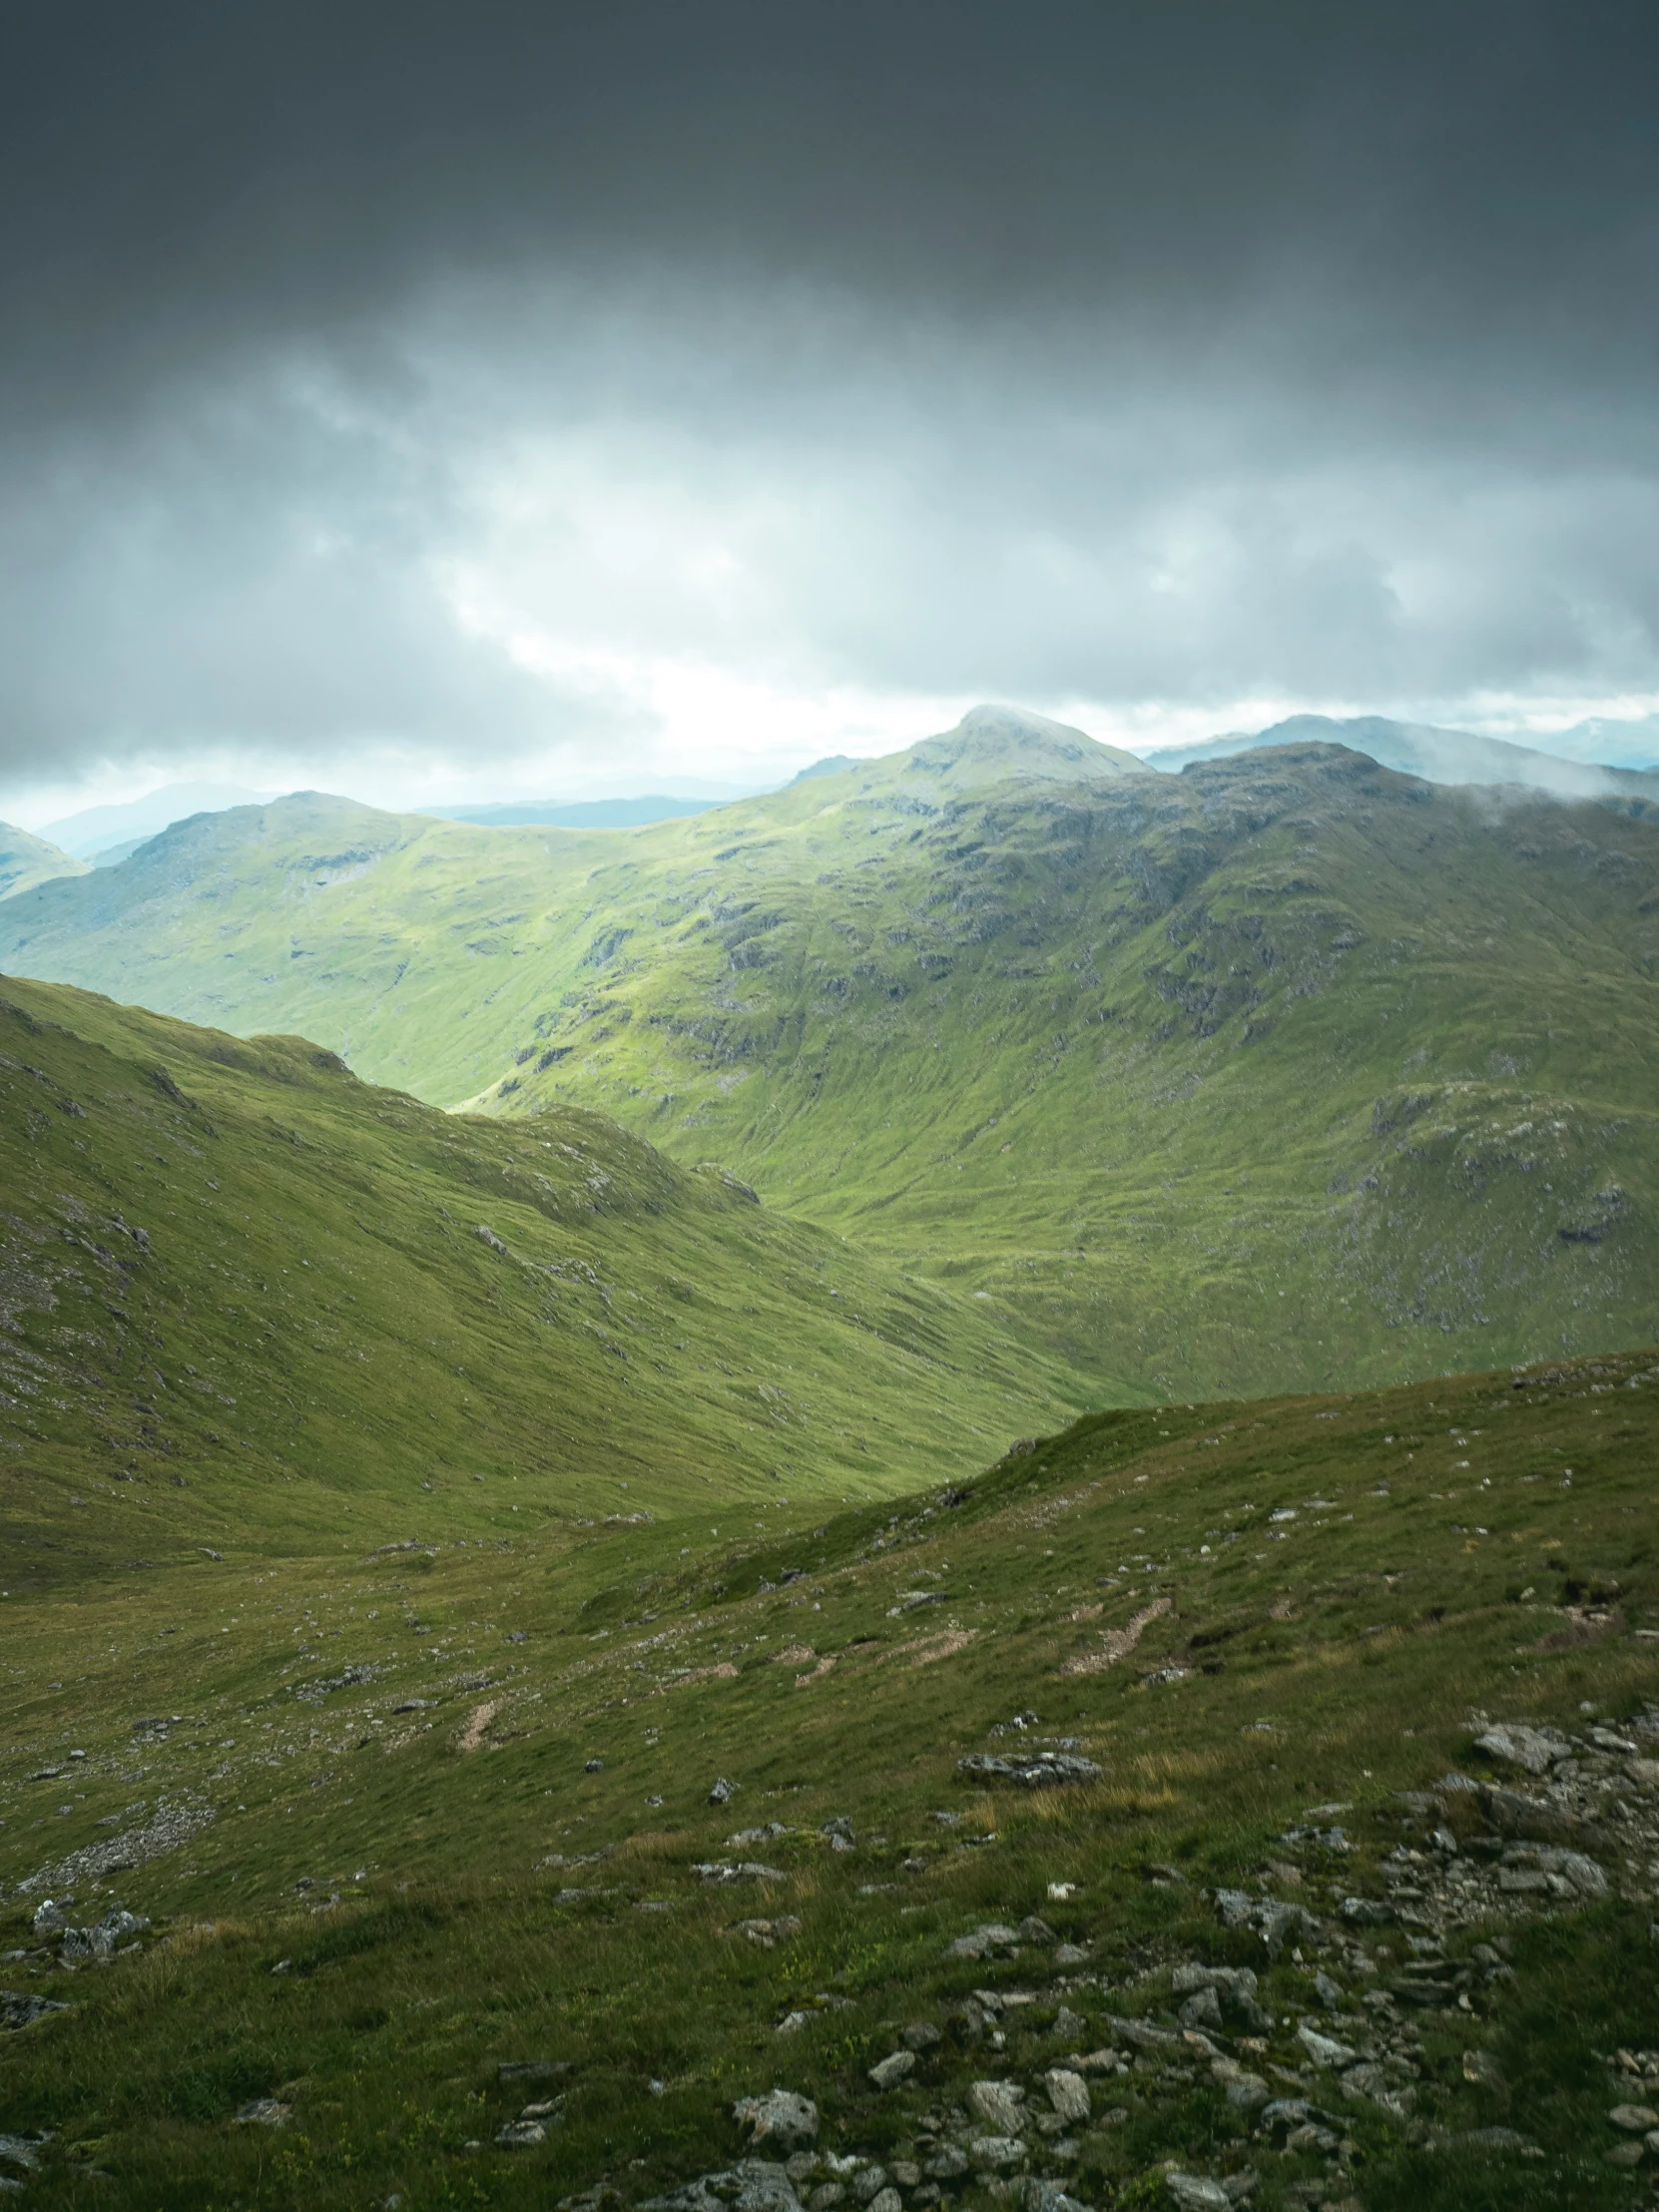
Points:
point(888, 2072)
point(17, 2010)
point(1325, 2051)
point(1635, 2119)
point(1535, 1749)
point(1197, 2192)
point(1049, 2196)
point(264, 2112)
point(1038, 1770)
point(996, 2153)
point(780, 2120)
point(521, 2134)
point(980, 1942)
point(752, 2185)
point(1068, 2092)
point(723, 1792)
point(49, 1918)
point(922, 2036)
point(1001, 2103)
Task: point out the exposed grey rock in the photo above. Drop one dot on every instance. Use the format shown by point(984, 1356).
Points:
point(1070, 1954)
point(1068, 2092)
point(1535, 1749)
point(779, 2120)
point(264, 2112)
point(996, 2153)
point(1365, 1913)
point(1368, 2084)
point(1245, 2091)
point(1325, 2051)
point(1202, 2009)
point(1001, 2103)
point(1049, 2196)
point(1197, 2194)
point(752, 2185)
point(1070, 2025)
point(827, 2196)
point(1035, 1930)
point(171, 1826)
point(17, 2010)
point(886, 2200)
point(521, 2134)
point(723, 1792)
point(1480, 2067)
point(1040, 1769)
point(49, 1918)
point(1635, 2119)
point(980, 1942)
point(922, 2036)
point(1570, 1868)
point(888, 2072)
point(1481, 2138)
point(1142, 2034)
point(947, 2163)
point(1271, 1919)
point(23, 2150)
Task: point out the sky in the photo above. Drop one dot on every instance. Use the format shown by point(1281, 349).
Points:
point(441, 402)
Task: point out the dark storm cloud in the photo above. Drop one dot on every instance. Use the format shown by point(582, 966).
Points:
point(1104, 351)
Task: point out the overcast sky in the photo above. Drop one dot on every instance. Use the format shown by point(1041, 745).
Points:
point(529, 398)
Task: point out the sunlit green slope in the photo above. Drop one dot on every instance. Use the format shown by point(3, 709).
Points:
point(246, 1300)
point(1285, 1071)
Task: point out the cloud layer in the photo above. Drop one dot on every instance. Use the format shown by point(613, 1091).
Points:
point(676, 386)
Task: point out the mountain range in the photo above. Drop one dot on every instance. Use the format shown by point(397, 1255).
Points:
point(575, 1628)
point(1284, 1070)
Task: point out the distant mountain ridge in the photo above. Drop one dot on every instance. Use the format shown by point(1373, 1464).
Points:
point(1422, 749)
point(582, 814)
point(95, 830)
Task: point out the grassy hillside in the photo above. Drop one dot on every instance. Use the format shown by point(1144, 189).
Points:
point(249, 1304)
point(26, 861)
point(1287, 1071)
point(442, 1910)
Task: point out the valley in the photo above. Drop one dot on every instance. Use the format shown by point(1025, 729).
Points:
point(1286, 1072)
point(955, 1510)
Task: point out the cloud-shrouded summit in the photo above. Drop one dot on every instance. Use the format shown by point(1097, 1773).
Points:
point(699, 386)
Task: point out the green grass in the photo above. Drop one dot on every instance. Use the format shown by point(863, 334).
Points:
point(1362, 1633)
point(252, 1305)
point(1285, 1072)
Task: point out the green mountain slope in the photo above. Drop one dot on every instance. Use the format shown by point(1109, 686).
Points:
point(26, 861)
point(440, 1906)
point(1287, 1071)
point(247, 1302)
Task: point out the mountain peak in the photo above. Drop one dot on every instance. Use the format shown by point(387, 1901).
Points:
point(993, 740)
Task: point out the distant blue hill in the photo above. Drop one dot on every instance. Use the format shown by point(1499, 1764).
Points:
point(587, 814)
point(1421, 748)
